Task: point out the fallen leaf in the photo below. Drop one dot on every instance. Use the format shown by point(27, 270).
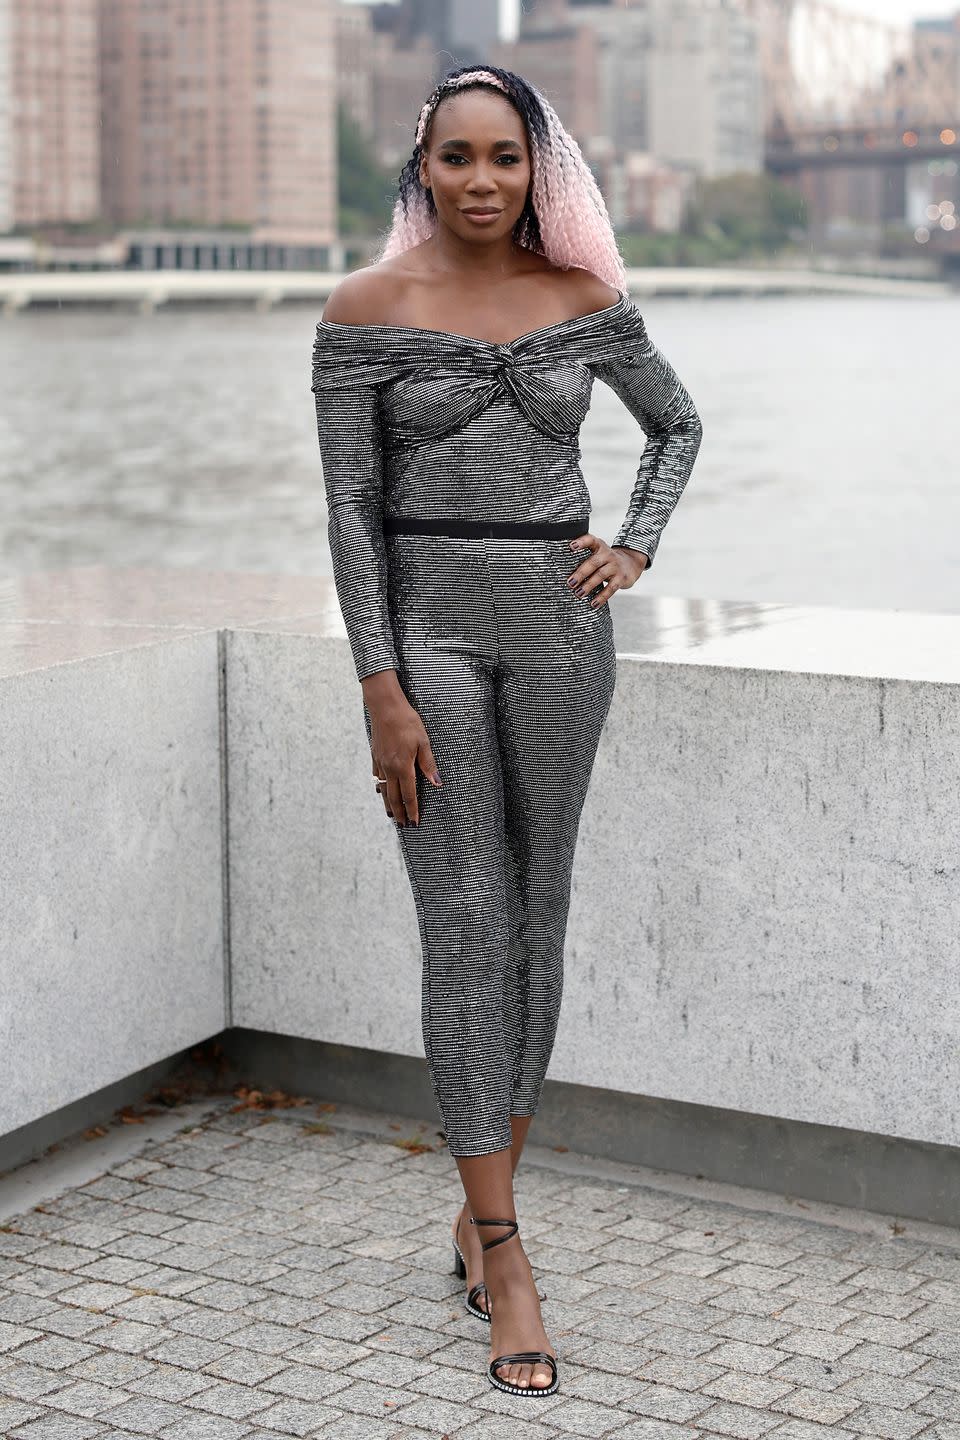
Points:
point(252, 1099)
point(413, 1146)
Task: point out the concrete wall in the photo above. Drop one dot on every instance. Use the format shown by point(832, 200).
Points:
point(766, 906)
point(111, 857)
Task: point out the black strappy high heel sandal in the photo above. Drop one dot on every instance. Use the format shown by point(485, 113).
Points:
point(522, 1357)
point(473, 1294)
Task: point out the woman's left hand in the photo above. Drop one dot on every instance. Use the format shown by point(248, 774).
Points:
point(611, 567)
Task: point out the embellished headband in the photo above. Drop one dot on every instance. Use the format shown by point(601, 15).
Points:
point(444, 88)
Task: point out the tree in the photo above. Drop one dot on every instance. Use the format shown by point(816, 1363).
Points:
point(757, 212)
point(365, 190)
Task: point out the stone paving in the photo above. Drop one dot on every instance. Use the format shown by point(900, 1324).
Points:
point(290, 1274)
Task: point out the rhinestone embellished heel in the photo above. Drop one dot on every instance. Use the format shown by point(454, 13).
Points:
point(475, 1291)
point(522, 1357)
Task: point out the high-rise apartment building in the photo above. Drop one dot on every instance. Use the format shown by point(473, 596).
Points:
point(563, 61)
point(356, 41)
point(460, 32)
point(474, 31)
point(385, 71)
point(706, 109)
point(403, 78)
point(49, 113)
point(678, 80)
point(6, 122)
point(219, 114)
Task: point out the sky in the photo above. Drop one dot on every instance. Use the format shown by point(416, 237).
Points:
point(898, 11)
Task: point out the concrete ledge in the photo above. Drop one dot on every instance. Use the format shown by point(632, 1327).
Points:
point(150, 289)
point(761, 981)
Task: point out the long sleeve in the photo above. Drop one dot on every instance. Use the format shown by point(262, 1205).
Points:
point(350, 448)
point(649, 387)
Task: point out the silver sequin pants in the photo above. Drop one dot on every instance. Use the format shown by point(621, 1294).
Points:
point(512, 675)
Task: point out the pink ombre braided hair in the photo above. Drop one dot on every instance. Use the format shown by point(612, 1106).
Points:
point(565, 217)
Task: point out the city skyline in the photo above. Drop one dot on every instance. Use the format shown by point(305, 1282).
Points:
point(897, 12)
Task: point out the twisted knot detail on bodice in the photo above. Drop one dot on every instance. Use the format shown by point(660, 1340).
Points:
point(465, 375)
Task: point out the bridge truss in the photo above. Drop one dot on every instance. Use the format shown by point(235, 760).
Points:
point(824, 65)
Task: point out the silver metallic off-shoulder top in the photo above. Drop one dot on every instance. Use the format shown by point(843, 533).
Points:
point(432, 424)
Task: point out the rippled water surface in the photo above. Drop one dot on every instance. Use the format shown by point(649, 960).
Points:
point(827, 474)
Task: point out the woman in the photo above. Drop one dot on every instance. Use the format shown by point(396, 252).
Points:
point(451, 379)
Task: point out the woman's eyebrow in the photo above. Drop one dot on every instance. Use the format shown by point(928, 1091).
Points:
point(497, 144)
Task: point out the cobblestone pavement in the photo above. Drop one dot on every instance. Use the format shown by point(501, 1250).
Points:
point(265, 1275)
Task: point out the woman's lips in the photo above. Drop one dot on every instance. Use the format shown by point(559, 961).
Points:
point(481, 217)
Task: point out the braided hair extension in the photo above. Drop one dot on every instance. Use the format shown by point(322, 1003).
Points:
point(564, 218)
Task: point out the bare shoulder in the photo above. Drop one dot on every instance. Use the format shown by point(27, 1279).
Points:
point(587, 291)
point(363, 297)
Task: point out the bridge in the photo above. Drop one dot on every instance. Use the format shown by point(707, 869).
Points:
point(825, 66)
point(851, 103)
point(832, 145)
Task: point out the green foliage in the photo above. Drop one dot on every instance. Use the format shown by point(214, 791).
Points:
point(643, 248)
point(365, 190)
point(758, 213)
point(734, 217)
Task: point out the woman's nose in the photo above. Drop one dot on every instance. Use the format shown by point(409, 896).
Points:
point(482, 181)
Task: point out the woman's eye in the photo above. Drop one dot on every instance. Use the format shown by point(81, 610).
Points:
point(510, 159)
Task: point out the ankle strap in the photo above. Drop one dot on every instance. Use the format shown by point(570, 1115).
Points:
point(489, 1244)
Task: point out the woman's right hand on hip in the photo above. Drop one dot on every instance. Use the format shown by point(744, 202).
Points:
point(398, 743)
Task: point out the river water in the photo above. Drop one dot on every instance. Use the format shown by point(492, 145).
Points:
point(828, 472)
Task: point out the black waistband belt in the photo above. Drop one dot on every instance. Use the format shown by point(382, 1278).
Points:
point(485, 530)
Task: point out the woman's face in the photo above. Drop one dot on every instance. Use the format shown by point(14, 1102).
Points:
point(477, 159)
